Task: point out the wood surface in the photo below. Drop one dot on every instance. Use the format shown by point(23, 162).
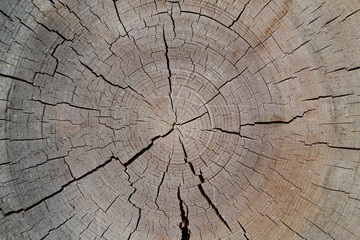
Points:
point(190, 119)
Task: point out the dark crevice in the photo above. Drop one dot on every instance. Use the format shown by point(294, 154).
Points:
point(142, 96)
point(167, 59)
point(61, 189)
point(217, 94)
point(246, 237)
point(246, 51)
point(54, 31)
point(16, 78)
point(285, 179)
point(331, 189)
point(331, 20)
point(3, 13)
point(193, 119)
point(173, 22)
point(142, 151)
point(238, 17)
point(113, 84)
point(160, 184)
point(184, 225)
point(353, 69)
point(302, 69)
point(169, 71)
point(118, 15)
point(101, 76)
point(314, 20)
point(331, 146)
point(102, 235)
point(65, 103)
point(54, 229)
point(228, 81)
point(56, 60)
point(72, 12)
point(327, 96)
point(277, 121)
point(233, 133)
point(217, 21)
point(336, 70)
point(262, 8)
point(213, 206)
point(297, 48)
point(202, 180)
point(350, 15)
point(285, 79)
point(345, 69)
point(292, 230)
point(344, 148)
point(139, 209)
point(321, 229)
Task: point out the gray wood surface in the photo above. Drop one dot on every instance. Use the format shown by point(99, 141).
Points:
point(190, 119)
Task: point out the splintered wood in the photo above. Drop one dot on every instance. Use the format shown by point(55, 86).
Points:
point(201, 120)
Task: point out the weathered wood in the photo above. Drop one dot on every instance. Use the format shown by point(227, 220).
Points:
point(179, 119)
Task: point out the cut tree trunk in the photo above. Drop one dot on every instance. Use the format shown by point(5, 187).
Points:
point(147, 119)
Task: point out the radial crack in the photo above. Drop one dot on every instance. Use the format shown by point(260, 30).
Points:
point(193, 119)
point(278, 121)
point(139, 209)
point(160, 184)
point(3, 13)
point(246, 237)
point(238, 17)
point(118, 15)
point(173, 21)
point(228, 81)
point(55, 228)
point(169, 71)
point(217, 21)
point(292, 230)
point(327, 96)
point(61, 189)
point(232, 133)
point(202, 180)
point(184, 219)
point(113, 84)
point(142, 151)
point(101, 76)
point(213, 206)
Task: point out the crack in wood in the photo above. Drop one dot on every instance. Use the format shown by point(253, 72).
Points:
point(280, 70)
point(277, 121)
point(61, 189)
point(184, 225)
point(246, 237)
point(145, 149)
point(113, 84)
point(169, 73)
point(238, 17)
point(201, 189)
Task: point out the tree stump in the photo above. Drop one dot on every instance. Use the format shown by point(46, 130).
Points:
point(211, 119)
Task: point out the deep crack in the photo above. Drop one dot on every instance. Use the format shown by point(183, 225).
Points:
point(246, 237)
point(169, 72)
point(184, 219)
point(202, 191)
point(213, 206)
point(142, 151)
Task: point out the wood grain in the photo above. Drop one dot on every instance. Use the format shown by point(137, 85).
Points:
point(190, 119)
